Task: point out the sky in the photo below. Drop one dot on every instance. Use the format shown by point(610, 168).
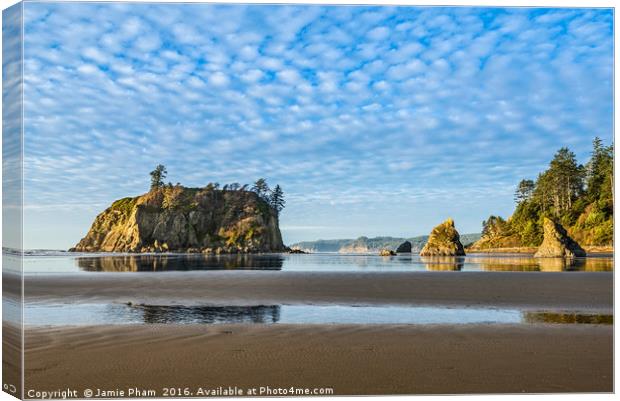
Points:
point(374, 120)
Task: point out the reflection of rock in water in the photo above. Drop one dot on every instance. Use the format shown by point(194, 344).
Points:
point(442, 263)
point(209, 314)
point(144, 263)
point(567, 318)
point(576, 264)
point(598, 264)
point(528, 263)
point(506, 263)
point(555, 264)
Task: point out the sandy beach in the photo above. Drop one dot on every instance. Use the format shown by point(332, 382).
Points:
point(351, 359)
point(581, 291)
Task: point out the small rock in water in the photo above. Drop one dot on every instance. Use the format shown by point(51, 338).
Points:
point(405, 247)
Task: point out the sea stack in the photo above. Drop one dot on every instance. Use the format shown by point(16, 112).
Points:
point(405, 247)
point(180, 219)
point(557, 243)
point(444, 240)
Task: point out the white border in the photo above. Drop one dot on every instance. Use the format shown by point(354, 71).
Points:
point(464, 3)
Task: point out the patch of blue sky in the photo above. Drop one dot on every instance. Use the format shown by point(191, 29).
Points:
point(375, 120)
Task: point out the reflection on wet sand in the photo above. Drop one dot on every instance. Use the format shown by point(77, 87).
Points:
point(209, 314)
point(522, 263)
point(323, 262)
point(265, 314)
point(146, 263)
point(567, 318)
point(442, 263)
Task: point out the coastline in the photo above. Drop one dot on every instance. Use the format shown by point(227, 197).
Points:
point(351, 359)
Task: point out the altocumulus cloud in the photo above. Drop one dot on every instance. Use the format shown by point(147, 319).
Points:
point(379, 119)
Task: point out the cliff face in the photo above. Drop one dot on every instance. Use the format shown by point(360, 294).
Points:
point(444, 240)
point(557, 242)
point(179, 219)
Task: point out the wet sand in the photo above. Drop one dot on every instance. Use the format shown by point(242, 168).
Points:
point(351, 359)
point(580, 291)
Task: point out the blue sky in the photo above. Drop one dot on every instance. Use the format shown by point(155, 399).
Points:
point(374, 120)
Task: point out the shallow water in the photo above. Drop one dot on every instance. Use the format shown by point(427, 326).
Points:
point(115, 313)
point(88, 263)
point(88, 314)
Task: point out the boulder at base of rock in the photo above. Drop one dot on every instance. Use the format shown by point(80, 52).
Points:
point(387, 252)
point(557, 243)
point(405, 247)
point(443, 241)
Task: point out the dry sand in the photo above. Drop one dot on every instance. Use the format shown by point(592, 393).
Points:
point(581, 291)
point(352, 359)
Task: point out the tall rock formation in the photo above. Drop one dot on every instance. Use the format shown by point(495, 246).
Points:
point(444, 240)
point(180, 219)
point(557, 243)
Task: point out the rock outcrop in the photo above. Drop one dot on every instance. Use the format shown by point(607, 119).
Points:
point(444, 240)
point(387, 252)
point(557, 243)
point(405, 247)
point(297, 251)
point(179, 219)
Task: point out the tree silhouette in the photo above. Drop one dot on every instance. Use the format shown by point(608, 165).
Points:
point(261, 188)
point(276, 200)
point(157, 176)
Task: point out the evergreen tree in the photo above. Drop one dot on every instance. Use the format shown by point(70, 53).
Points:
point(599, 169)
point(562, 183)
point(157, 176)
point(261, 188)
point(525, 191)
point(276, 199)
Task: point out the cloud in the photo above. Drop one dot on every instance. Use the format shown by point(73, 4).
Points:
point(364, 108)
point(219, 79)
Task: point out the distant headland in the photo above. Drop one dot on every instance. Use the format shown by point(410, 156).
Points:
point(577, 197)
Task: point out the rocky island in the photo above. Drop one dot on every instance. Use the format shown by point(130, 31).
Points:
point(443, 241)
point(174, 218)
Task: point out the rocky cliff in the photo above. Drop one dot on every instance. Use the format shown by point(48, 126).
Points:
point(180, 219)
point(444, 240)
point(557, 242)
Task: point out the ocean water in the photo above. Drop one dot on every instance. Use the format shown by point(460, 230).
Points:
point(110, 314)
point(64, 262)
point(41, 313)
